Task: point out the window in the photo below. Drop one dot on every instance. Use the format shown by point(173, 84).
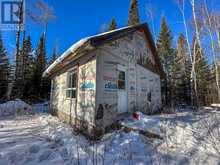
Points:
point(149, 97)
point(71, 85)
point(53, 84)
point(121, 80)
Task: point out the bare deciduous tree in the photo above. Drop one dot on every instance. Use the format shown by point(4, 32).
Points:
point(42, 14)
point(209, 26)
point(181, 5)
point(150, 12)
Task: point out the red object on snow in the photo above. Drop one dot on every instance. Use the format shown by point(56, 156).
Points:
point(136, 116)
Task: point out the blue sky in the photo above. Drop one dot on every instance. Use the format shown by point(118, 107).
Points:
point(80, 18)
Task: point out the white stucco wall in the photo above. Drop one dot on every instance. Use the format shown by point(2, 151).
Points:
point(59, 100)
point(97, 95)
point(140, 81)
point(148, 83)
point(86, 90)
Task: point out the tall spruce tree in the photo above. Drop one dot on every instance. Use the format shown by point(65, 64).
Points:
point(18, 85)
point(39, 67)
point(202, 73)
point(167, 56)
point(4, 71)
point(133, 15)
point(54, 55)
point(212, 88)
point(113, 25)
point(28, 57)
point(181, 73)
point(28, 67)
point(24, 70)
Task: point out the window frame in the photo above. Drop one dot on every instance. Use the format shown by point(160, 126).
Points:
point(119, 79)
point(70, 87)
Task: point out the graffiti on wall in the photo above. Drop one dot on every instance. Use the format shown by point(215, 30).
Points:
point(110, 86)
point(132, 84)
point(87, 78)
point(106, 110)
point(144, 52)
point(138, 51)
point(100, 112)
point(143, 78)
point(132, 92)
point(132, 105)
point(114, 44)
point(143, 89)
point(110, 63)
point(87, 85)
point(86, 92)
point(130, 55)
point(132, 88)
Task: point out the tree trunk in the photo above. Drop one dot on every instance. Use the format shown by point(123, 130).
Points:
point(18, 35)
point(213, 52)
point(199, 42)
point(193, 73)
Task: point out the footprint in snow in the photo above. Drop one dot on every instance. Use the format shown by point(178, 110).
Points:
point(34, 149)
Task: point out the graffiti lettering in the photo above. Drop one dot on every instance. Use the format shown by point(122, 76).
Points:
point(111, 62)
point(100, 113)
point(132, 103)
point(130, 54)
point(108, 78)
point(114, 44)
point(109, 86)
point(110, 106)
point(143, 78)
point(132, 88)
point(87, 86)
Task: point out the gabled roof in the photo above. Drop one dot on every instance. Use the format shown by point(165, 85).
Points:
point(97, 40)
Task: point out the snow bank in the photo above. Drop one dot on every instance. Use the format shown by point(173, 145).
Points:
point(216, 105)
point(41, 107)
point(114, 148)
point(19, 107)
point(43, 139)
point(15, 107)
point(187, 135)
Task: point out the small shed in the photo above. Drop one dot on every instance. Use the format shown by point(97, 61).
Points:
point(103, 76)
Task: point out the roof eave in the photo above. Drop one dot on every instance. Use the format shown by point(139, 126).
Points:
point(72, 50)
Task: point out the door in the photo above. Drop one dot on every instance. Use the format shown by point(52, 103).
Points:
point(122, 90)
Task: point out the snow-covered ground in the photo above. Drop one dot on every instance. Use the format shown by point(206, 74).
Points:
point(188, 138)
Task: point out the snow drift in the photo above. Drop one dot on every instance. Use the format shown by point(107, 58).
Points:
point(15, 107)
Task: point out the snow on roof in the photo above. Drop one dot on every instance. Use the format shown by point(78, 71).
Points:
point(72, 49)
point(81, 43)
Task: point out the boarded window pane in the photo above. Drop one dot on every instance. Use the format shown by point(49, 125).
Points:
point(121, 80)
point(69, 81)
point(74, 78)
point(121, 84)
point(71, 85)
point(71, 93)
point(68, 93)
point(121, 75)
point(149, 96)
